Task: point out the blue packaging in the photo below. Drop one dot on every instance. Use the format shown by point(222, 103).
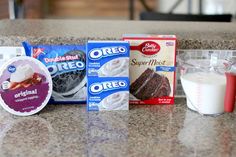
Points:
point(107, 75)
point(111, 93)
point(67, 66)
point(108, 58)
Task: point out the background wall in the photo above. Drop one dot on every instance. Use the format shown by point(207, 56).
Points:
point(209, 6)
point(4, 9)
point(31, 8)
point(220, 6)
point(164, 6)
point(108, 9)
point(89, 9)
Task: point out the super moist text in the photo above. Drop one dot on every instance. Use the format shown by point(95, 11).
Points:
point(151, 62)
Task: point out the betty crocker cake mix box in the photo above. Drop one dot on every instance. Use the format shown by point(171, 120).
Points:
point(152, 68)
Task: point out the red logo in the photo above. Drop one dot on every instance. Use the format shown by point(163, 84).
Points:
point(147, 48)
point(37, 52)
point(150, 48)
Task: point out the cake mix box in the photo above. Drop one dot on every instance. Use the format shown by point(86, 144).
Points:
point(107, 75)
point(152, 68)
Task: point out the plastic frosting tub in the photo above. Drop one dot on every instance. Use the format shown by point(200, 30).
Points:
point(25, 86)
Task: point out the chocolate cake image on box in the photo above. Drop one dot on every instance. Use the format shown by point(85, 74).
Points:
point(150, 85)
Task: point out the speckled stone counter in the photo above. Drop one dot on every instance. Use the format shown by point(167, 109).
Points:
point(190, 35)
point(144, 131)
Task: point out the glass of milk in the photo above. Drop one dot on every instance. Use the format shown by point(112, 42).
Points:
point(204, 83)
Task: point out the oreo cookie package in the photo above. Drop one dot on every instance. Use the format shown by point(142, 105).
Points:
point(66, 64)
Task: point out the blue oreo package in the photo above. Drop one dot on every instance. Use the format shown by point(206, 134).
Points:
point(67, 66)
point(110, 93)
point(107, 75)
point(108, 58)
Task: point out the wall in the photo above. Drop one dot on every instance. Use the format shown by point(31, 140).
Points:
point(209, 6)
point(95, 9)
point(31, 9)
point(165, 6)
point(4, 9)
point(220, 6)
point(83, 9)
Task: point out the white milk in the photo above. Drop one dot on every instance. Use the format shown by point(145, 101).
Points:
point(204, 91)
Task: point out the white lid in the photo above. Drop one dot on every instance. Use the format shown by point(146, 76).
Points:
point(31, 89)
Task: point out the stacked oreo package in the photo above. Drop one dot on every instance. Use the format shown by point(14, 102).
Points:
point(107, 75)
point(66, 64)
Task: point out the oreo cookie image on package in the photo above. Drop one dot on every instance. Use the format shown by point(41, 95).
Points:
point(66, 64)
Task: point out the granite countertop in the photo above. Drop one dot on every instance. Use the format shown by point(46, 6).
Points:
point(144, 130)
point(68, 130)
point(194, 35)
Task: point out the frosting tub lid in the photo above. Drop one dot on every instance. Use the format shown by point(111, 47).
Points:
point(25, 86)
